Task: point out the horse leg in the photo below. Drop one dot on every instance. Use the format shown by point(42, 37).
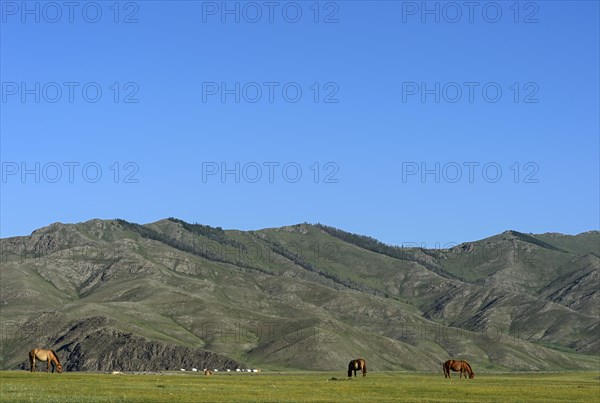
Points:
point(32, 363)
point(48, 365)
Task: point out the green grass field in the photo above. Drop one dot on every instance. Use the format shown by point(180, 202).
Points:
point(22, 386)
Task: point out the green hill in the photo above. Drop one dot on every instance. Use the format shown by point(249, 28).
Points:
point(113, 295)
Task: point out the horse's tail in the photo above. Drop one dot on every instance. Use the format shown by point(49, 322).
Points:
point(32, 360)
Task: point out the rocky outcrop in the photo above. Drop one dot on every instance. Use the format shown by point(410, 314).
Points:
point(92, 345)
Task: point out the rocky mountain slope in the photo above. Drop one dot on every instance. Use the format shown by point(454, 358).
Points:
point(113, 295)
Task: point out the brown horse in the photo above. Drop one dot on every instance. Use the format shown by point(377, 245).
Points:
point(355, 365)
point(458, 366)
point(45, 355)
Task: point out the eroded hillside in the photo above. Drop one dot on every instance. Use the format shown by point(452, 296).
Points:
point(113, 295)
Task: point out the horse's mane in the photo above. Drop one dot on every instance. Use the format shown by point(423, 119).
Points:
point(55, 356)
point(469, 366)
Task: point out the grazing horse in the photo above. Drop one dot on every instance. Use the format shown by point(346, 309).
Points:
point(45, 355)
point(358, 364)
point(458, 366)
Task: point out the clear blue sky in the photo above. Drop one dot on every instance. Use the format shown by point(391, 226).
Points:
point(383, 62)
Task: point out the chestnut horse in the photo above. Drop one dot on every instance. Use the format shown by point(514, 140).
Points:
point(44, 355)
point(458, 366)
point(358, 364)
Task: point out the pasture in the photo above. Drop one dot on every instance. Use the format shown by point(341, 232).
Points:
point(22, 386)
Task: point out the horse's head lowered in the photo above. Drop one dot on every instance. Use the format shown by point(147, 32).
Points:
point(351, 366)
point(469, 370)
point(56, 362)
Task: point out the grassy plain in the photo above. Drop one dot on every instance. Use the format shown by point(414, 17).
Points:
point(22, 386)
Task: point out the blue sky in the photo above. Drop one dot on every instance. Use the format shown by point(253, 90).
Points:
point(387, 92)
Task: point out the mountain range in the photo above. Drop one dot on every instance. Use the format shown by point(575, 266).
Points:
point(113, 295)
